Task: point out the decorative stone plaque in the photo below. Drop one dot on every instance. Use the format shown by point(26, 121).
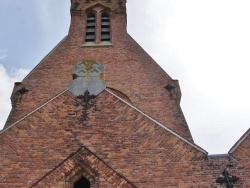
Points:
point(87, 76)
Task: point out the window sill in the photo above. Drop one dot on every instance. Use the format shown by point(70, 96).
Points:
point(92, 44)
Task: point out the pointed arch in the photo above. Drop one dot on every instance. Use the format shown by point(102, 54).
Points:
point(82, 182)
point(98, 19)
point(82, 176)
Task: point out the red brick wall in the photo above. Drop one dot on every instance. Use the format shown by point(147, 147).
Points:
point(128, 68)
point(243, 150)
point(116, 140)
point(119, 145)
point(78, 165)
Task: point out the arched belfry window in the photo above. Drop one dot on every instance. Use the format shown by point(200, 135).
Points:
point(90, 27)
point(98, 26)
point(105, 27)
point(82, 183)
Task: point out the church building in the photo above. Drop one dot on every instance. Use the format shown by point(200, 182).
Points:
point(99, 112)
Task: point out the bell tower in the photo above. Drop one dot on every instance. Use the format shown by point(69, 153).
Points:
point(98, 23)
point(98, 111)
point(98, 40)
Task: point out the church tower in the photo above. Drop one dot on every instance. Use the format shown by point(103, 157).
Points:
point(98, 111)
point(98, 33)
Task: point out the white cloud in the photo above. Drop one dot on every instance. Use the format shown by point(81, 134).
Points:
point(212, 39)
point(205, 45)
point(7, 83)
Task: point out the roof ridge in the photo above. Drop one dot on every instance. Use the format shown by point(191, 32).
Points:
point(159, 124)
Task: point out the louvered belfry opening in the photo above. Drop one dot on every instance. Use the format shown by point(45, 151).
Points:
point(82, 183)
point(105, 35)
point(90, 28)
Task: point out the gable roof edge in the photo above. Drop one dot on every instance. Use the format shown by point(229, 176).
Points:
point(38, 108)
point(75, 153)
point(236, 145)
point(159, 124)
point(51, 51)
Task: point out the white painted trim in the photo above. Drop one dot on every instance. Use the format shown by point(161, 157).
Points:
point(159, 124)
point(4, 130)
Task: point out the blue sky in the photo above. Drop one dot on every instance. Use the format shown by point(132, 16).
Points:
point(30, 29)
point(205, 44)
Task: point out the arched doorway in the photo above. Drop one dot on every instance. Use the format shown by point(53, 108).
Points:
point(82, 183)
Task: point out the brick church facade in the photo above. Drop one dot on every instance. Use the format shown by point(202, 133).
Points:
point(98, 111)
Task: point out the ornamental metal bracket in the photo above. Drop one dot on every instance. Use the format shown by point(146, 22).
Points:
point(87, 101)
point(229, 180)
point(170, 88)
point(21, 92)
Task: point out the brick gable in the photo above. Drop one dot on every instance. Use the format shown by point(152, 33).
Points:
point(133, 135)
point(52, 133)
point(128, 69)
point(130, 144)
point(241, 149)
